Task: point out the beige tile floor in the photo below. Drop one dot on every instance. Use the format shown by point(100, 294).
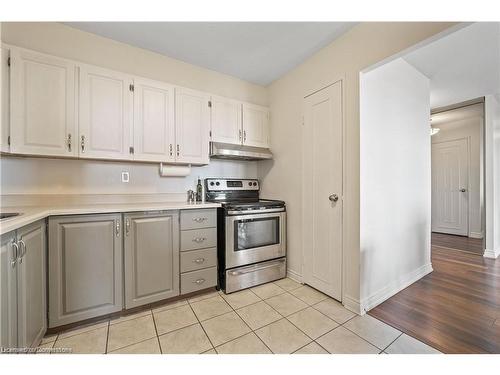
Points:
point(279, 317)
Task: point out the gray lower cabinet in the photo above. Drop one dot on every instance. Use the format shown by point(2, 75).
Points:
point(85, 267)
point(151, 257)
point(23, 286)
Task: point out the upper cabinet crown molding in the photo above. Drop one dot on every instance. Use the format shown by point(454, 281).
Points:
point(106, 109)
point(192, 126)
point(42, 118)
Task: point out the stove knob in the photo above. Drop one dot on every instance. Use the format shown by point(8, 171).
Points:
point(254, 184)
point(250, 183)
point(212, 183)
point(217, 183)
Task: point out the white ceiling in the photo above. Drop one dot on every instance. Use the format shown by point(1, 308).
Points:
point(461, 66)
point(450, 117)
point(258, 52)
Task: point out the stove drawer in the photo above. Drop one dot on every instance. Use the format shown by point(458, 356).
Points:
point(198, 280)
point(198, 259)
point(255, 274)
point(198, 239)
point(195, 219)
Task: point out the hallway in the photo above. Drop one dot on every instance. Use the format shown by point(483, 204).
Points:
point(450, 241)
point(455, 309)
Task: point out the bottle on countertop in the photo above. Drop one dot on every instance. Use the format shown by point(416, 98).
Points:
point(199, 191)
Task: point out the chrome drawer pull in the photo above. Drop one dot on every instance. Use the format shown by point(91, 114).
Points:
point(15, 246)
point(199, 281)
point(199, 239)
point(199, 260)
point(199, 219)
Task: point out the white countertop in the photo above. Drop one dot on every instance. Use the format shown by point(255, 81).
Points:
point(30, 214)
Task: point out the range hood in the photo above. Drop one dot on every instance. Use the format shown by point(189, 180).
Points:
point(238, 152)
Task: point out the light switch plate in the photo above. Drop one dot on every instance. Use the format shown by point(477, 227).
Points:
point(125, 177)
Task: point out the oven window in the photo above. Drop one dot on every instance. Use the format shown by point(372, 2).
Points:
point(252, 233)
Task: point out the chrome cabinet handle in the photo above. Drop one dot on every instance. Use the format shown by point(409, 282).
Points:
point(199, 281)
point(127, 226)
point(333, 198)
point(83, 143)
point(16, 252)
point(23, 250)
point(199, 239)
point(239, 132)
point(117, 228)
point(178, 150)
point(244, 135)
point(171, 149)
point(69, 142)
point(199, 219)
point(199, 260)
point(463, 190)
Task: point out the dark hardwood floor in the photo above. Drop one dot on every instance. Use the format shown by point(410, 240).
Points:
point(455, 309)
point(450, 241)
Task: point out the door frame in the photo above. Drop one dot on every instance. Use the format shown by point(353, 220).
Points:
point(304, 199)
point(468, 142)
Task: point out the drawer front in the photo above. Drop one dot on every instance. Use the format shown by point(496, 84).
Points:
point(198, 239)
point(196, 219)
point(198, 259)
point(198, 280)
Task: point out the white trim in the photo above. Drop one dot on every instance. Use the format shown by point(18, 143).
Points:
point(294, 275)
point(388, 291)
point(352, 304)
point(479, 235)
point(491, 253)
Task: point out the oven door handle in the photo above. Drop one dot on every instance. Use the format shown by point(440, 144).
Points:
point(253, 269)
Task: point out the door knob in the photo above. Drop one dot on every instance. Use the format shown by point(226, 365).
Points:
point(463, 190)
point(333, 198)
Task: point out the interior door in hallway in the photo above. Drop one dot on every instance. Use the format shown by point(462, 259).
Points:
point(450, 187)
point(322, 190)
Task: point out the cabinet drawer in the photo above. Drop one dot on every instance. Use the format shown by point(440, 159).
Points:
point(198, 259)
point(198, 239)
point(194, 219)
point(198, 280)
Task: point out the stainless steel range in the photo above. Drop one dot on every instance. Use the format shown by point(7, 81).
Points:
point(251, 234)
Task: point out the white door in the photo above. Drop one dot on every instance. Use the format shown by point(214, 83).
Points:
point(322, 190)
point(255, 125)
point(106, 107)
point(42, 104)
point(449, 187)
point(226, 120)
point(192, 126)
point(4, 101)
point(154, 130)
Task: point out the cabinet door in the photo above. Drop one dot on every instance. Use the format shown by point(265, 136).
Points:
point(154, 131)
point(85, 267)
point(192, 125)
point(8, 291)
point(4, 101)
point(32, 295)
point(226, 120)
point(106, 107)
point(42, 104)
point(151, 257)
point(255, 125)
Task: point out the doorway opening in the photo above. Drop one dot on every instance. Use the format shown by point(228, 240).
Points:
point(457, 165)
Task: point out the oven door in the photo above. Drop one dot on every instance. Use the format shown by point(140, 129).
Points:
point(254, 238)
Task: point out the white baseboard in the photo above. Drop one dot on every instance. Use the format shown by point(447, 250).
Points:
point(352, 304)
point(476, 235)
point(294, 275)
point(491, 253)
point(388, 291)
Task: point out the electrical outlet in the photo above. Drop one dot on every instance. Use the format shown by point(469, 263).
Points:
point(125, 177)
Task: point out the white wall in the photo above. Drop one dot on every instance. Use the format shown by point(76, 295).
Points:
point(492, 178)
point(49, 176)
point(359, 48)
point(470, 129)
point(395, 181)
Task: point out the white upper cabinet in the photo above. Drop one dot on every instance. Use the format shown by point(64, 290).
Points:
point(255, 125)
point(4, 101)
point(154, 129)
point(226, 120)
point(42, 104)
point(106, 109)
point(192, 126)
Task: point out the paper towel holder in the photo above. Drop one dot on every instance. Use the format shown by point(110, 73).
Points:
point(169, 170)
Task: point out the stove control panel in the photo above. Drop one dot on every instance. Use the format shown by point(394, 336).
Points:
point(225, 184)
